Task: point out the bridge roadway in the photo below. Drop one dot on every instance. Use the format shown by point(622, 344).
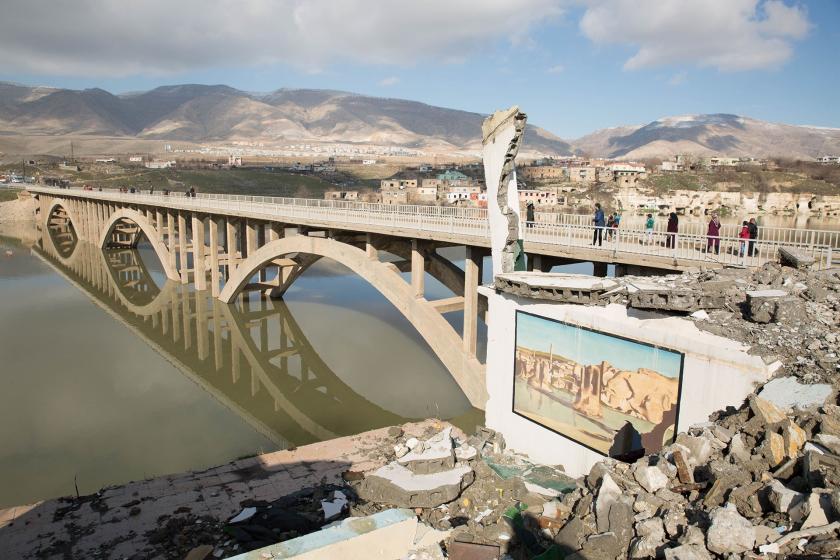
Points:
point(561, 243)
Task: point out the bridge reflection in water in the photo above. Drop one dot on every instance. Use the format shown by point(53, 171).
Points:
point(251, 355)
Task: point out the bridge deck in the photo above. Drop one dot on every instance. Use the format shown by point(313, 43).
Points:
point(465, 226)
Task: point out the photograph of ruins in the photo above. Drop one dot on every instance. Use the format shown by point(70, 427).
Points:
point(616, 396)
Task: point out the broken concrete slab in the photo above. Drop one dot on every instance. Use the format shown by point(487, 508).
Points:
point(396, 484)
point(788, 393)
point(729, 531)
point(686, 299)
point(687, 552)
point(795, 258)
point(650, 478)
point(434, 455)
point(385, 535)
point(581, 289)
point(608, 493)
point(766, 411)
point(761, 304)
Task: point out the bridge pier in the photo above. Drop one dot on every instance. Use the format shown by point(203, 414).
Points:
point(472, 265)
point(199, 265)
point(418, 269)
point(214, 257)
point(182, 248)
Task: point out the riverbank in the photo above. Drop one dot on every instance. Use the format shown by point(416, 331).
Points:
point(17, 218)
point(165, 517)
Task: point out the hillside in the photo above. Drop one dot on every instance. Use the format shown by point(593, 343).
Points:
point(718, 134)
point(202, 114)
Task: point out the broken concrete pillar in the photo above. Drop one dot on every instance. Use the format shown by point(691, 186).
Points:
point(501, 137)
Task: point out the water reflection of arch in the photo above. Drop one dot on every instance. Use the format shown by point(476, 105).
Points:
point(143, 225)
point(213, 345)
point(424, 316)
point(60, 234)
point(66, 213)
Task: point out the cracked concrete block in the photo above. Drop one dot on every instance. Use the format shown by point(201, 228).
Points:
point(434, 455)
point(397, 485)
point(788, 393)
point(650, 478)
point(729, 532)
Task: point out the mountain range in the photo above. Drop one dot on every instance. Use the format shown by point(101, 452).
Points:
point(221, 114)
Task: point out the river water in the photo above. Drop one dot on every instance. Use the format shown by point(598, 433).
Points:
point(110, 373)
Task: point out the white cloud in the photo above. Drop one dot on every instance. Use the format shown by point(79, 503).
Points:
point(389, 81)
point(556, 69)
point(678, 79)
point(730, 35)
point(110, 38)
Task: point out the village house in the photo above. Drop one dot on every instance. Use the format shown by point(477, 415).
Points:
point(538, 197)
point(341, 195)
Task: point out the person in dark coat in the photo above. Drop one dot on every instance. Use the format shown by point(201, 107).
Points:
point(598, 220)
point(673, 228)
point(753, 227)
point(529, 215)
point(713, 235)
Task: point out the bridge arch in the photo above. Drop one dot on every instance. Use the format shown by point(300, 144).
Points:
point(63, 204)
point(148, 229)
point(445, 342)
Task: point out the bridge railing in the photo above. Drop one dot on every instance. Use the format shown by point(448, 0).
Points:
point(699, 227)
point(472, 222)
point(723, 249)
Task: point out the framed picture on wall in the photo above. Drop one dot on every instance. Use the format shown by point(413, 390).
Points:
point(616, 396)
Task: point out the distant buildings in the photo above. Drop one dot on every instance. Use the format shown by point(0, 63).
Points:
point(234, 161)
point(341, 195)
point(829, 159)
point(155, 164)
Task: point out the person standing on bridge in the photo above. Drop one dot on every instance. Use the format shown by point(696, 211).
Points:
point(598, 220)
point(753, 226)
point(713, 235)
point(673, 228)
point(649, 223)
point(744, 236)
point(529, 214)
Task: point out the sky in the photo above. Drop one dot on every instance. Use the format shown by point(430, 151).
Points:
point(574, 66)
point(588, 347)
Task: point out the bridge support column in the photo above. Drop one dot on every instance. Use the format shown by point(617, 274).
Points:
point(214, 257)
point(250, 238)
point(261, 236)
point(471, 281)
point(418, 270)
point(170, 240)
point(370, 249)
point(230, 238)
point(182, 248)
point(199, 265)
point(276, 231)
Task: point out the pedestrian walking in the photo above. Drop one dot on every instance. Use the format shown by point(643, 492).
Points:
point(598, 220)
point(529, 215)
point(610, 227)
point(673, 228)
point(753, 226)
point(649, 223)
point(713, 235)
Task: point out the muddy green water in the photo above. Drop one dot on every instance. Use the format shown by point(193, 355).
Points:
point(108, 373)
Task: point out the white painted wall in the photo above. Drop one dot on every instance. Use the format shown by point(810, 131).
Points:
point(717, 372)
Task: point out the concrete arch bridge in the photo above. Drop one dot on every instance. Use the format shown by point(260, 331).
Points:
point(252, 356)
point(233, 251)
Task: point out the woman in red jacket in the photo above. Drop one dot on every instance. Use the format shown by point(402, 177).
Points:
point(745, 237)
